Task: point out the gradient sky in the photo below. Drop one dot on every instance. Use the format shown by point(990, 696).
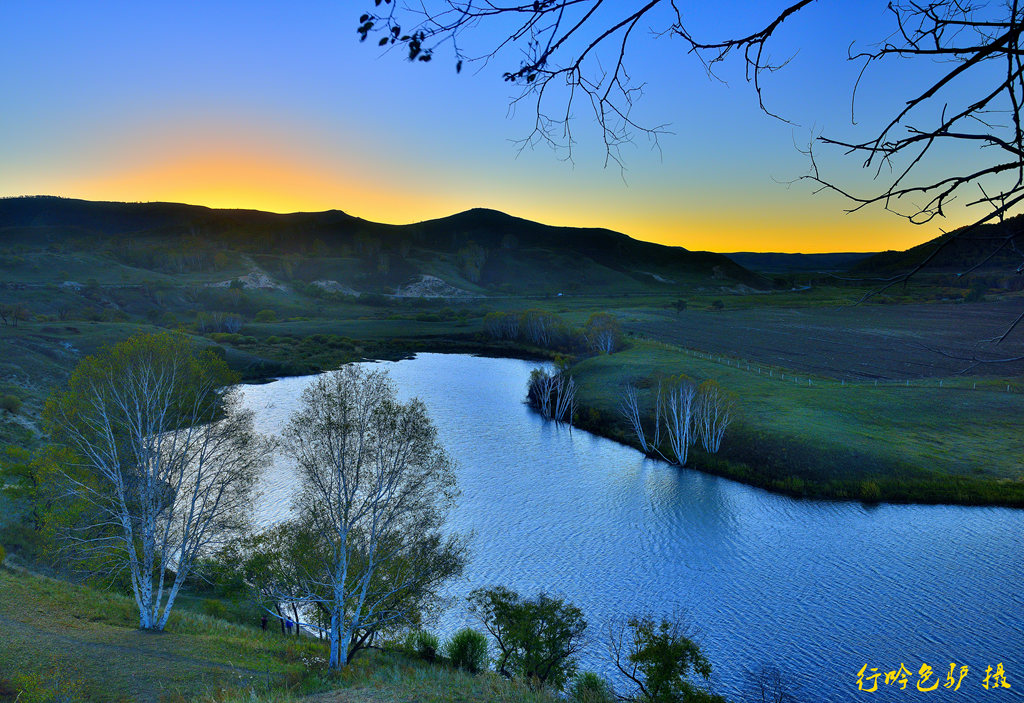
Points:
point(277, 106)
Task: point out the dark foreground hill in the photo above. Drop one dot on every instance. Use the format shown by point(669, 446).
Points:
point(477, 252)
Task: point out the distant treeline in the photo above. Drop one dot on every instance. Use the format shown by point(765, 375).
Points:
point(602, 332)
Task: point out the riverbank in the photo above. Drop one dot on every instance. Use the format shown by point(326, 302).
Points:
point(945, 442)
point(796, 434)
point(820, 438)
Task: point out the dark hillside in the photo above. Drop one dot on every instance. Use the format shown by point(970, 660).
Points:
point(476, 251)
point(969, 249)
point(771, 262)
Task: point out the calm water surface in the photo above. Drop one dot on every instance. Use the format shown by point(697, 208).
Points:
point(816, 588)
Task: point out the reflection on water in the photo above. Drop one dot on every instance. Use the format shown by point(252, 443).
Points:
point(818, 589)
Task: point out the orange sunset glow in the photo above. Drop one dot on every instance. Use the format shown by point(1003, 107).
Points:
point(295, 130)
point(261, 177)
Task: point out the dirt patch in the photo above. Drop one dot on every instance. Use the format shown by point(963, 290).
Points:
point(251, 281)
point(432, 287)
point(335, 287)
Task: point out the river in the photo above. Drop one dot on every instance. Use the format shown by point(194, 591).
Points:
point(818, 589)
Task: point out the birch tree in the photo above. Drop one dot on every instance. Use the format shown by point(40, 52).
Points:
point(375, 490)
point(502, 325)
point(678, 408)
point(713, 416)
point(565, 398)
point(629, 407)
point(603, 333)
point(166, 461)
point(553, 394)
point(688, 412)
point(539, 326)
point(539, 390)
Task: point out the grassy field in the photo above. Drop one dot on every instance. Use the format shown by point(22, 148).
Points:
point(960, 442)
point(864, 342)
point(60, 639)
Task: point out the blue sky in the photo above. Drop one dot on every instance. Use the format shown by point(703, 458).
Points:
point(278, 106)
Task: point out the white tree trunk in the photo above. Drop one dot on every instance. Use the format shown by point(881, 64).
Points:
point(173, 481)
point(679, 408)
point(629, 406)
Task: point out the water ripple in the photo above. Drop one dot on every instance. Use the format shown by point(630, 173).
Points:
point(815, 588)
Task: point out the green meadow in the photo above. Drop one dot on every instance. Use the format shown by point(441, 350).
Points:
point(817, 436)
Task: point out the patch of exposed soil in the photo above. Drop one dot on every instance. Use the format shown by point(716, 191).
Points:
point(432, 287)
point(334, 287)
point(253, 280)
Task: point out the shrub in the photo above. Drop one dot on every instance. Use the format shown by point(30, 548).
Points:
point(870, 492)
point(467, 650)
point(588, 687)
point(3, 554)
point(539, 636)
point(665, 664)
point(215, 608)
point(266, 316)
point(10, 403)
point(424, 645)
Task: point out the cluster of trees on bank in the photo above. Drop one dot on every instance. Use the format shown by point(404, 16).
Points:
point(602, 332)
point(152, 473)
point(684, 412)
point(154, 466)
point(553, 393)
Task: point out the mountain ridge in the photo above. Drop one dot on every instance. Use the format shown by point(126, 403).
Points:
point(478, 249)
point(986, 246)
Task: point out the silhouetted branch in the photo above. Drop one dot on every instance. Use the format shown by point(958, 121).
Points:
point(975, 101)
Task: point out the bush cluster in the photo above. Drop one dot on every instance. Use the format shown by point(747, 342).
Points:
point(588, 687)
point(601, 333)
point(10, 403)
point(467, 650)
point(424, 645)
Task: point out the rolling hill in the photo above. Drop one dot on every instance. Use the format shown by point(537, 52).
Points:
point(478, 252)
point(988, 245)
point(771, 262)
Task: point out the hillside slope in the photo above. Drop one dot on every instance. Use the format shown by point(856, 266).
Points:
point(63, 642)
point(772, 262)
point(986, 246)
point(478, 251)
